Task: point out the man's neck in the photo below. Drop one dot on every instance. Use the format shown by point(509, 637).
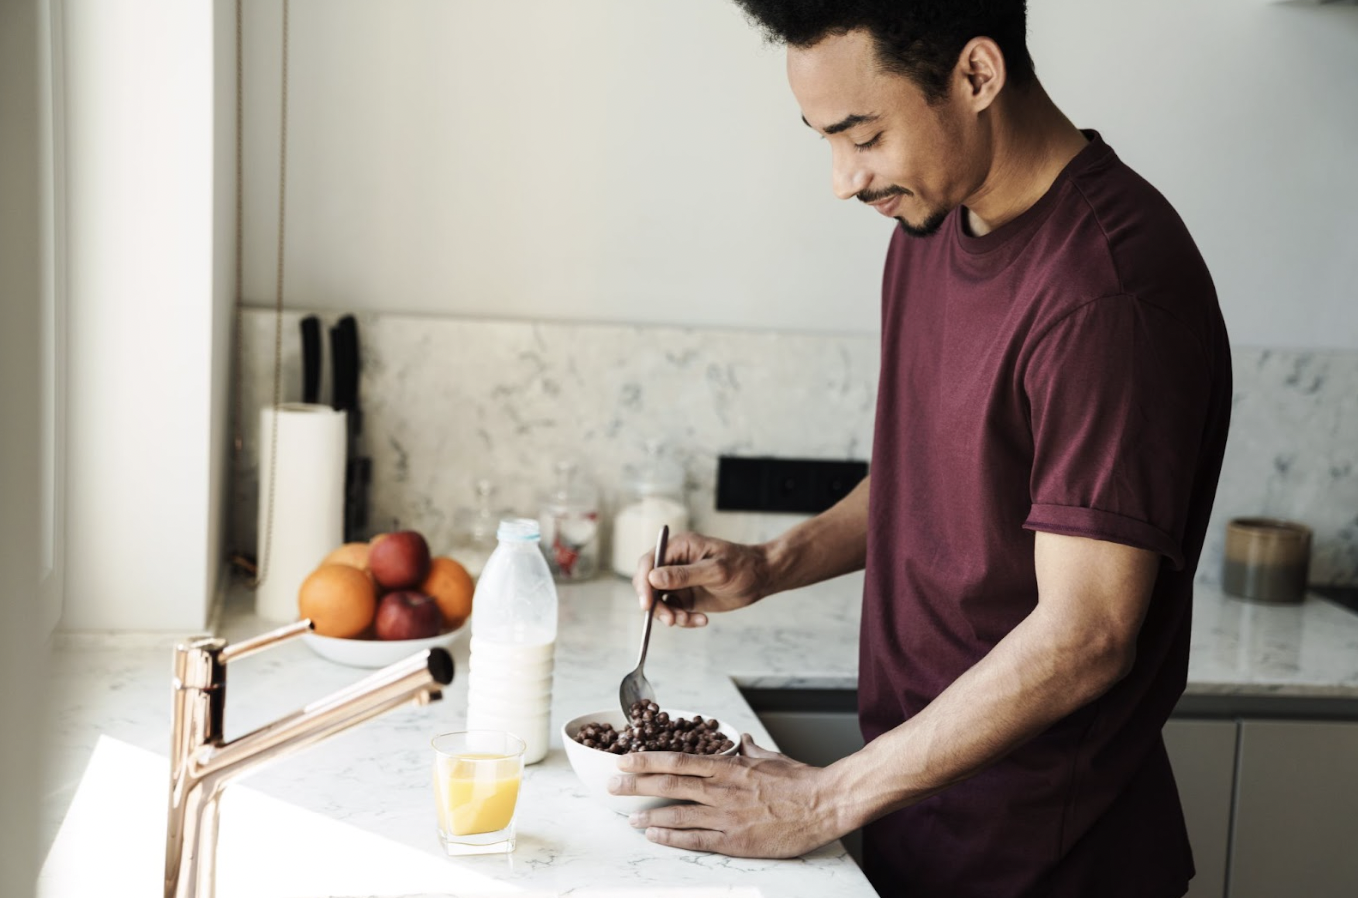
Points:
point(1034, 141)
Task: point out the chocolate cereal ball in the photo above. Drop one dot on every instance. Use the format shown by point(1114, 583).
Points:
point(651, 729)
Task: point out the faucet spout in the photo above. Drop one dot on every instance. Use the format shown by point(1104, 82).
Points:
point(415, 679)
point(202, 763)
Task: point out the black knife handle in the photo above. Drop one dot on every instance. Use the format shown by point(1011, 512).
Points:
point(311, 358)
point(340, 367)
point(348, 326)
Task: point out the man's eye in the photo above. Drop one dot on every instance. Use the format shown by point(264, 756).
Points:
point(869, 144)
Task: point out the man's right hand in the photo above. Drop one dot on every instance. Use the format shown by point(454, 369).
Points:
point(702, 575)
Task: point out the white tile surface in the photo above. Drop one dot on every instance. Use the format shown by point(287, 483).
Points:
point(447, 399)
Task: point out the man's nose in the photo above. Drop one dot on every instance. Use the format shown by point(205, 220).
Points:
point(847, 177)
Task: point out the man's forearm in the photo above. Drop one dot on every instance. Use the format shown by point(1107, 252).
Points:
point(1042, 671)
point(1076, 643)
point(830, 544)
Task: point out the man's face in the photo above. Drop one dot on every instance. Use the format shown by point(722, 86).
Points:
point(890, 148)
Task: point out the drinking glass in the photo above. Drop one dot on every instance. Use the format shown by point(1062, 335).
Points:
point(476, 790)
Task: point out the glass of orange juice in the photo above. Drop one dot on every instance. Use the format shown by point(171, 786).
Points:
point(476, 790)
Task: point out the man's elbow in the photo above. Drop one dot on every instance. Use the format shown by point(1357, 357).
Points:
point(1110, 655)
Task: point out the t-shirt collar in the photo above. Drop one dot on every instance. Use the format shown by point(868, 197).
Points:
point(1026, 221)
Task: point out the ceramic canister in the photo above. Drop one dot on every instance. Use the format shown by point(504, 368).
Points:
point(1266, 559)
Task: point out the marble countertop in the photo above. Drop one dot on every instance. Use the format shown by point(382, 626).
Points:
point(376, 776)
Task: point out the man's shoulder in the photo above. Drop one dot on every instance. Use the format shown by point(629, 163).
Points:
point(1147, 243)
point(1115, 233)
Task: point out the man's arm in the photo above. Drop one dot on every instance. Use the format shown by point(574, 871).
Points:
point(1077, 643)
point(704, 575)
point(833, 543)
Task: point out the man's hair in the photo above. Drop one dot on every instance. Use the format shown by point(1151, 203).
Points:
point(920, 39)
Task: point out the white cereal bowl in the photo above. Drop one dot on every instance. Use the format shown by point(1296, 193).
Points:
point(375, 652)
point(595, 767)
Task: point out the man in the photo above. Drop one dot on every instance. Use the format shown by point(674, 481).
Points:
point(1053, 402)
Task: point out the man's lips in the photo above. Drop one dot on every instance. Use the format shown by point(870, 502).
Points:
point(888, 205)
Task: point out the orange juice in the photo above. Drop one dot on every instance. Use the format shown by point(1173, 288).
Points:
point(475, 793)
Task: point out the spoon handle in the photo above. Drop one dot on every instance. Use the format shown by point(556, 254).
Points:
point(655, 596)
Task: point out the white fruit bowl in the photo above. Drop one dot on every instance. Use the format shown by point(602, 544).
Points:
point(375, 652)
point(595, 767)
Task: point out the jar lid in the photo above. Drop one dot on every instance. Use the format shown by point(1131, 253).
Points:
point(658, 473)
point(572, 489)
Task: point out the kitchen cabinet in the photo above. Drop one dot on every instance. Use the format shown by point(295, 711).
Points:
point(1296, 810)
point(1288, 788)
point(1202, 753)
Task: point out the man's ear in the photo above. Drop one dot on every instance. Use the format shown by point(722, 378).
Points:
point(980, 73)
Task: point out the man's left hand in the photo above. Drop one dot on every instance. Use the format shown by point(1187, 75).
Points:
point(756, 804)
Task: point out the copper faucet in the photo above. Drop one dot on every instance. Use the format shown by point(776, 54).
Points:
point(202, 763)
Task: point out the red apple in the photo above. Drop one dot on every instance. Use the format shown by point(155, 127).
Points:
point(399, 560)
point(407, 615)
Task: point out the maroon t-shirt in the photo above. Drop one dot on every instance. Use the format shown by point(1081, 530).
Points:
point(1068, 372)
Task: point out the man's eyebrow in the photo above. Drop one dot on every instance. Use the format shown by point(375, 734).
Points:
point(843, 125)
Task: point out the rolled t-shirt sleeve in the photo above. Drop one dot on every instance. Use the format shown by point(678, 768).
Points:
point(1118, 394)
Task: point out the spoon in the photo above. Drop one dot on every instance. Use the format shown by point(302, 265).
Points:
point(635, 687)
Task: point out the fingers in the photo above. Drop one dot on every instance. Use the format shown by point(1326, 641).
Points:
point(664, 612)
point(671, 610)
point(687, 839)
point(659, 785)
point(690, 619)
point(681, 581)
point(670, 762)
point(675, 615)
point(682, 576)
point(678, 816)
point(682, 549)
point(640, 581)
point(665, 774)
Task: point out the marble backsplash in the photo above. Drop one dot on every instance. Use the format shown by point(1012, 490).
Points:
point(448, 400)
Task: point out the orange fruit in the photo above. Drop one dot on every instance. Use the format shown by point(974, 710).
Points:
point(339, 599)
point(352, 554)
point(451, 586)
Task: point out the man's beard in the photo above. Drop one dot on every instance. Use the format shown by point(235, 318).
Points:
point(931, 224)
point(928, 229)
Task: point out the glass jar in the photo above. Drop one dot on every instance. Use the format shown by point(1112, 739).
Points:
point(475, 526)
point(569, 517)
point(652, 497)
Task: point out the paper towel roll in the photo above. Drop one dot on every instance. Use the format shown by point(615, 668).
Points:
point(307, 477)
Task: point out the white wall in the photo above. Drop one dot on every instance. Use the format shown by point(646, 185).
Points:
point(146, 292)
point(223, 295)
point(22, 652)
point(598, 159)
point(644, 162)
point(1244, 114)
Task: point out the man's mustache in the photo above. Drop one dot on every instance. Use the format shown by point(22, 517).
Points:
point(875, 196)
